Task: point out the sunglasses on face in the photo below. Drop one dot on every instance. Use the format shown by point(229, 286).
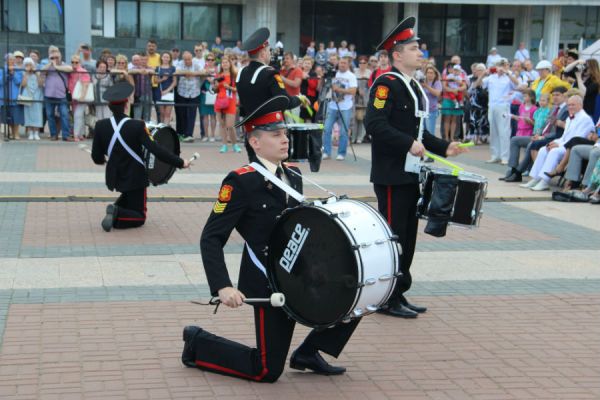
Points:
point(74, 62)
point(210, 59)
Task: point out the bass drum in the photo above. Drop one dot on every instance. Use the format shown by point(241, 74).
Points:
point(333, 261)
point(160, 172)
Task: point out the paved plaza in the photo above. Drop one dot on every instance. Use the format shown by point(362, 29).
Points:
point(514, 305)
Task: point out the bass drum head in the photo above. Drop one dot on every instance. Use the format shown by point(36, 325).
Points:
point(311, 261)
point(160, 172)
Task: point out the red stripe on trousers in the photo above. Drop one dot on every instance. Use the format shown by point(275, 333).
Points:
point(389, 205)
point(263, 356)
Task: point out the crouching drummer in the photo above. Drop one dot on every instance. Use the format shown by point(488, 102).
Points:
point(251, 204)
point(119, 142)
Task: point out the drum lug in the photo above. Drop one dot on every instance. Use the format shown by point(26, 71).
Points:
point(344, 214)
point(357, 312)
point(333, 215)
point(365, 244)
point(380, 241)
point(370, 281)
point(398, 274)
point(356, 247)
point(372, 308)
point(385, 277)
point(395, 238)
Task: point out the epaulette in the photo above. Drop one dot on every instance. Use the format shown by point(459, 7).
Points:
point(244, 170)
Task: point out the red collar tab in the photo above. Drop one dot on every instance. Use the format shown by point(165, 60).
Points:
point(399, 37)
point(271, 118)
point(259, 48)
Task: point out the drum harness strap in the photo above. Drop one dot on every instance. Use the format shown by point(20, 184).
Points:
point(281, 185)
point(254, 77)
point(413, 163)
point(117, 136)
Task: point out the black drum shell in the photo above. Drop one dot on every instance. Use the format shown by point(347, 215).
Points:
point(159, 172)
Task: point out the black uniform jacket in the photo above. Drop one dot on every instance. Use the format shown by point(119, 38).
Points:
point(249, 204)
point(390, 120)
point(123, 172)
point(268, 84)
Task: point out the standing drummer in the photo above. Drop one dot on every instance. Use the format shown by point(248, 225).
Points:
point(249, 203)
point(118, 143)
point(258, 82)
point(396, 151)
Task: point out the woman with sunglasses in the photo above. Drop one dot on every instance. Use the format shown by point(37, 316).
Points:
point(120, 73)
point(207, 100)
point(79, 75)
point(226, 104)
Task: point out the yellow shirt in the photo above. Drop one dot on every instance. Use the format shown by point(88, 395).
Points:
point(153, 62)
point(549, 84)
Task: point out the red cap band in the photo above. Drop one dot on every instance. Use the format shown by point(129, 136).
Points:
point(259, 48)
point(266, 119)
point(400, 37)
point(116, 102)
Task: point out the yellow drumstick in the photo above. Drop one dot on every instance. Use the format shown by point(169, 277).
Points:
point(468, 144)
point(455, 168)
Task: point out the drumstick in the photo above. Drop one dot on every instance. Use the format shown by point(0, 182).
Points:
point(455, 168)
point(468, 144)
point(276, 300)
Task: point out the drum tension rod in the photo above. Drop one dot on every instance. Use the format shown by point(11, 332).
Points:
point(214, 301)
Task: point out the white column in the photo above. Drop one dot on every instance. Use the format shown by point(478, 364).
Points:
point(33, 16)
point(266, 15)
point(109, 18)
point(78, 18)
point(551, 31)
point(412, 10)
point(525, 26)
point(390, 18)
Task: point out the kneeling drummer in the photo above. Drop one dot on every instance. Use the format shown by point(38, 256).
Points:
point(251, 205)
point(118, 143)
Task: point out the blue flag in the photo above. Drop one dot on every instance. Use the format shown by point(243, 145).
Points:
point(57, 3)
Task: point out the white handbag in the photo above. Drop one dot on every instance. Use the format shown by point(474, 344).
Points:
point(169, 97)
point(89, 94)
point(210, 98)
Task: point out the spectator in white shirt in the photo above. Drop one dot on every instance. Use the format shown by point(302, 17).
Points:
point(579, 124)
point(493, 58)
point(522, 54)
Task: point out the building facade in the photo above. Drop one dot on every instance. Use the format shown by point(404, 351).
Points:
point(466, 27)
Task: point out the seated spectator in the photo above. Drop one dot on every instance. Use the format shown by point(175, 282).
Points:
point(579, 124)
point(546, 81)
point(32, 87)
point(560, 169)
point(81, 76)
point(541, 115)
point(55, 94)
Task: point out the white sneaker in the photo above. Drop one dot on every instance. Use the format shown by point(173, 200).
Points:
point(504, 162)
point(204, 139)
point(493, 160)
point(325, 156)
point(340, 157)
point(212, 139)
point(30, 136)
point(530, 184)
point(542, 185)
point(36, 136)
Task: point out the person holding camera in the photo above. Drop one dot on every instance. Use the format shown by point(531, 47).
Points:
point(339, 109)
point(587, 74)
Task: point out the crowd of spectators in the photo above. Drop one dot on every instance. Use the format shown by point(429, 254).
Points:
point(513, 105)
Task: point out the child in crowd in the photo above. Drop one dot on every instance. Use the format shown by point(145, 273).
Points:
point(526, 114)
point(540, 116)
point(32, 87)
point(454, 79)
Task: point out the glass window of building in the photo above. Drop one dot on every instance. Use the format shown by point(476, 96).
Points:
point(51, 16)
point(200, 22)
point(127, 18)
point(160, 20)
point(579, 22)
point(98, 17)
point(14, 15)
point(231, 23)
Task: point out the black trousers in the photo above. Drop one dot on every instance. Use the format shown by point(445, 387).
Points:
point(131, 209)
point(188, 115)
point(398, 204)
point(266, 361)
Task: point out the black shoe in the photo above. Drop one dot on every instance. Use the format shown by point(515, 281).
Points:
point(515, 177)
point(314, 362)
point(109, 218)
point(187, 356)
point(414, 307)
point(398, 310)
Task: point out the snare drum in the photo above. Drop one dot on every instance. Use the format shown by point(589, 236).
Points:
point(334, 261)
point(160, 172)
point(302, 137)
point(467, 200)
